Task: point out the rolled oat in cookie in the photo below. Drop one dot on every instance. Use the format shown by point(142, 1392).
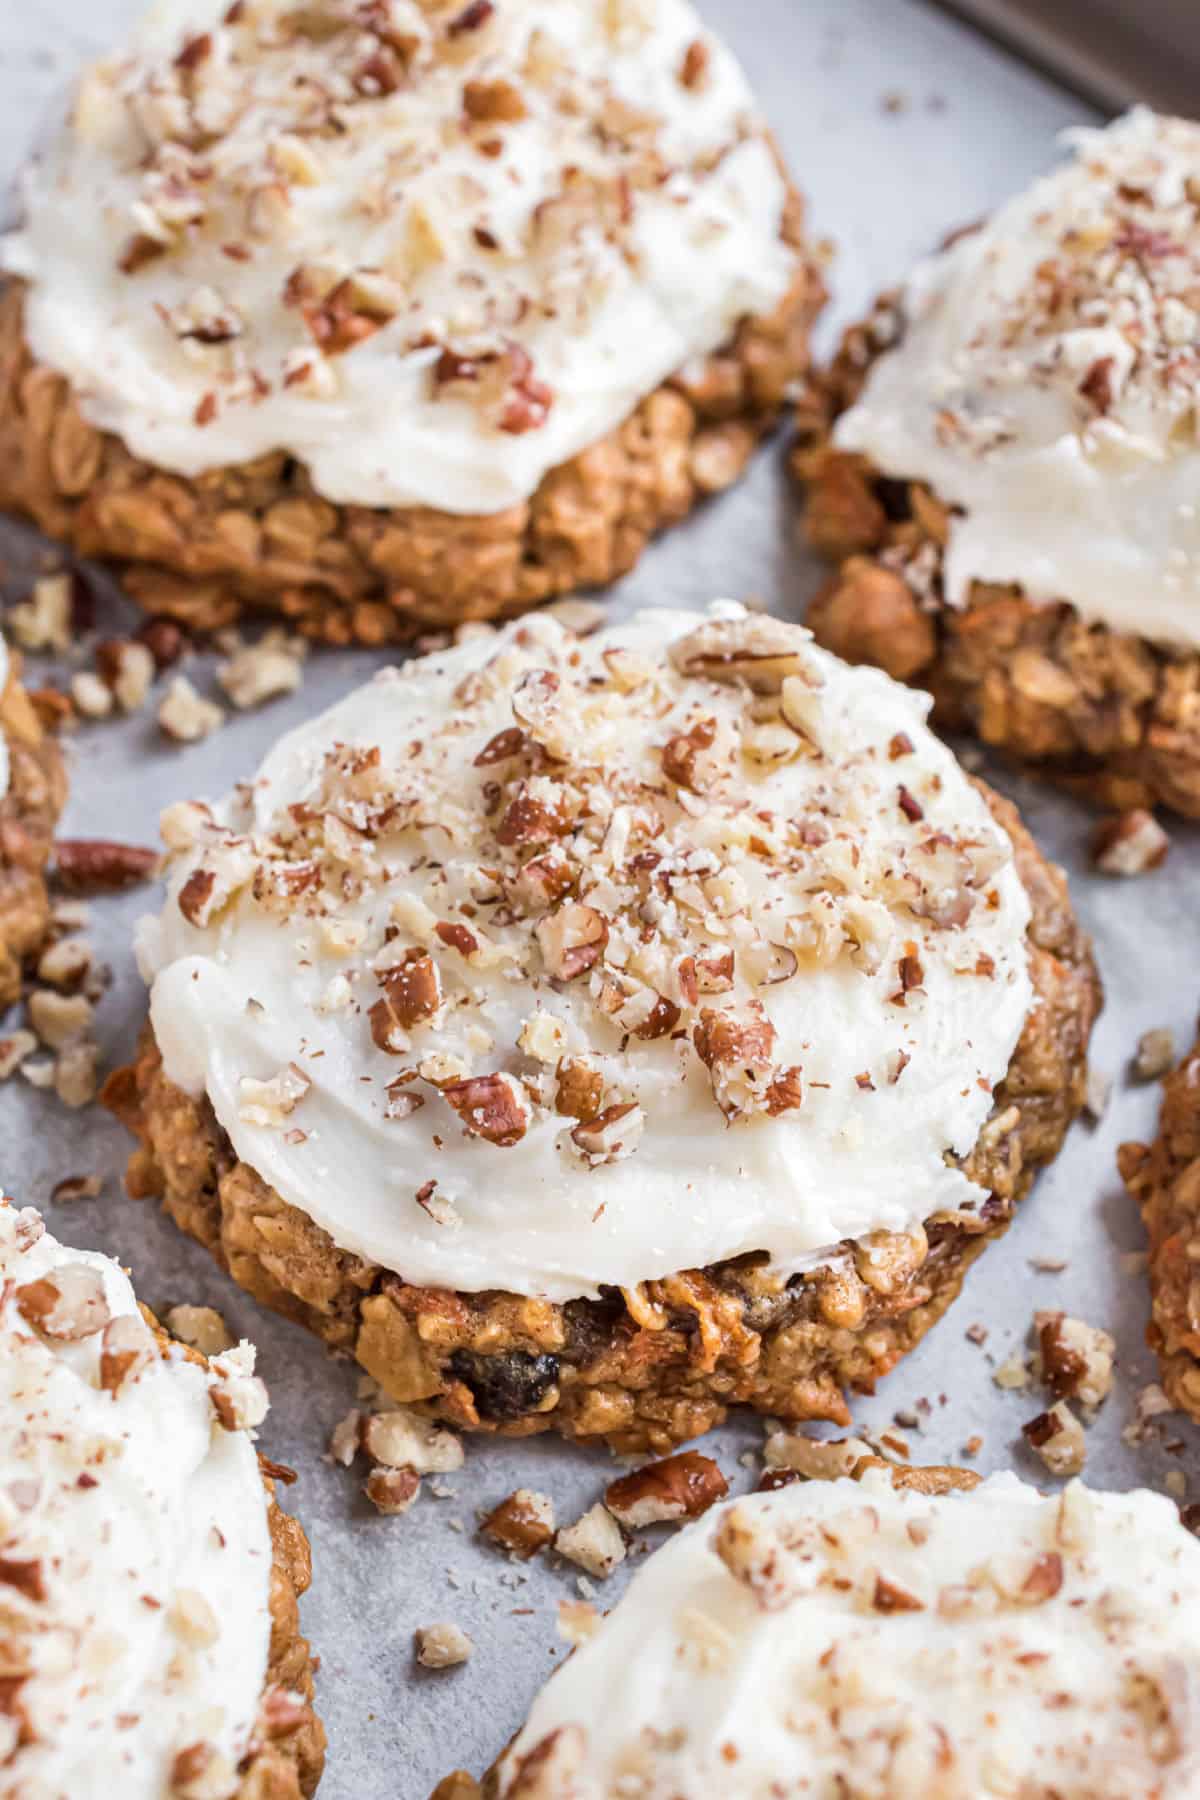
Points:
point(1004, 464)
point(387, 314)
point(148, 1581)
point(591, 1034)
point(874, 1637)
point(33, 791)
point(1164, 1179)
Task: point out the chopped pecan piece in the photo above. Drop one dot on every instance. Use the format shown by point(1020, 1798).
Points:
point(501, 748)
point(661, 1021)
point(26, 1575)
point(687, 757)
point(890, 1597)
point(580, 1089)
point(99, 866)
point(522, 1524)
point(572, 939)
point(392, 1491)
point(537, 814)
point(1058, 1438)
point(412, 994)
point(67, 1305)
point(678, 1487)
point(542, 882)
point(611, 1135)
point(493, 102)
point(125, 1350)
point(495, 1107)
point(1130, 843)
point(1077, 1358)
point(441, 1646)
point(594, 1542)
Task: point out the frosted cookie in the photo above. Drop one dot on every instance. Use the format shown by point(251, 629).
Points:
point(846, 1637)
point(1164, 1179)
point(1008, 477)
point(33, 791)
point(394, 313)
point(592, 1034)
point(148, 1581)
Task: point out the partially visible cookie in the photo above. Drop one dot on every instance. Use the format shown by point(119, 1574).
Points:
point(148, 1581)
point(396, 314)
point(1164, 1179)
point(1003, 462)
point(33, 791)
point(868, 1637)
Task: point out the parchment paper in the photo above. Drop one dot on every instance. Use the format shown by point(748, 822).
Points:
point(900, 125)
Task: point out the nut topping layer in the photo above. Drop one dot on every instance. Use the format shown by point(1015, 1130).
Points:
point(1044, 384)
point(838, 1637)
point(505, 988)
point(430, 252)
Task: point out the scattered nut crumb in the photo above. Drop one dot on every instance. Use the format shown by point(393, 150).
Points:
point(677, 1488)
point(187, 716)
point(817, 1459)
point(442, 1646)
point(1155, 1054)
point(1099, 1092)
point(402, 1439)
point(522, 1524)
point(1077, 1358)
point(392, 1491)
point(202, 1327)
point(594, 1542)
point(44, 621)
point(1058, 1438)
point(259, 672)
point(14, 1048)
point(1129, 843)
point(1012, 1372)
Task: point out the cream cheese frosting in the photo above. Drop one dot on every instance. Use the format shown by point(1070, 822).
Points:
point(135, 1556)
point(544, 964)
point(844, 1637)
point(431, 252)
point(1045, 385)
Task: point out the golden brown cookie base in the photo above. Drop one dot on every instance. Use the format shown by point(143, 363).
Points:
point(29, 811)
point(285, 1765)
point(939, 1479)
point(1164, 1179)
point(257, 536)
point(287, 1753)
point(652, 1368)
point(1107, 714)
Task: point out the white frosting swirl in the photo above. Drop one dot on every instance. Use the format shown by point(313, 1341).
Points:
point(1046, 385)
point(846, 1638)
point(546, 183)
point(135, 1557)
point(802, 975)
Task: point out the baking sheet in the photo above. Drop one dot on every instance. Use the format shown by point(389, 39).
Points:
point(901, 124)
point(1108, 50)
